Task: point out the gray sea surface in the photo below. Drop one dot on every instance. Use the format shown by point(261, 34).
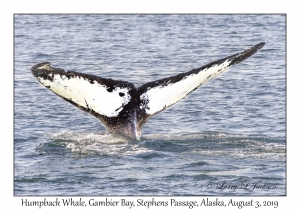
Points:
point(226, 138)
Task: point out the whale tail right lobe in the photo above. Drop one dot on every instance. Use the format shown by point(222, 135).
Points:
point(158, 95)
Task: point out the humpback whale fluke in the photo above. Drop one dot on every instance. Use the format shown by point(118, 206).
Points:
point(119, 105)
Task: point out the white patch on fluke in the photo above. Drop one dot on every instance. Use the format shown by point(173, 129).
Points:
point(91, 96)
point(161, 97)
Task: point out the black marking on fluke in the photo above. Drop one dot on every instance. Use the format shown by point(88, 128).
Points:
point(119, 105)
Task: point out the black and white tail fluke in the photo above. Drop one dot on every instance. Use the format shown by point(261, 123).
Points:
point(119, 105)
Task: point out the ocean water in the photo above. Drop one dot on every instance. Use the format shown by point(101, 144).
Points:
point(226, 138)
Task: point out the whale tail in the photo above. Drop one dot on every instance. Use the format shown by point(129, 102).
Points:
point(119, 105)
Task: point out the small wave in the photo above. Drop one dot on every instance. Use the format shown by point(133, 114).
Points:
point(210, 135)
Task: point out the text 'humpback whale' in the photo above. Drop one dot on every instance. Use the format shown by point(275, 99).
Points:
point(119, 105)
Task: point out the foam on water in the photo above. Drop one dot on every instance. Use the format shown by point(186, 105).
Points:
point(210, 143)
